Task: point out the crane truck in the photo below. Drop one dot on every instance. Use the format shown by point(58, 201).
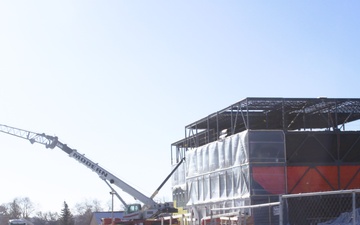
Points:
point(150, 209)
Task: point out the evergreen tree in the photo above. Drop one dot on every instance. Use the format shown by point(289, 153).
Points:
point(66, 217)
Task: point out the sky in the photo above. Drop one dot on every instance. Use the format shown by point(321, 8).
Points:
point(119, 80)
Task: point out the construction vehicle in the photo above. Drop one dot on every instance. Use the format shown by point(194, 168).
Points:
point(149, 210)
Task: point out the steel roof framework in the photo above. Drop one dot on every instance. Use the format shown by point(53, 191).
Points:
point(288, 114)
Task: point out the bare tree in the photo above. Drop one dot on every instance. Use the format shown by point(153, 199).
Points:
point(20, 208)
point(85, 210)
point(45, 218)
point(23, 208)
point(14, 209)
point(26, 207)
point(4, 215)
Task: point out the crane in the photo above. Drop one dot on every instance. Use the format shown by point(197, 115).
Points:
point(150, 208)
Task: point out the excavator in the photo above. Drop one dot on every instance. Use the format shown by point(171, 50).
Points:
point(149, 210)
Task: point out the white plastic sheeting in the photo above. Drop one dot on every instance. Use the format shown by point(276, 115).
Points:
point(227, 173)
point(218, 172)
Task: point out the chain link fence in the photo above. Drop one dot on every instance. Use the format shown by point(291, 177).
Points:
point(316, 208)
point(259, 214)
point(321, 208)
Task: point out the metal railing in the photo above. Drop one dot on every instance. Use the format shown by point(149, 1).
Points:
point(315, 208)
point(262, 214)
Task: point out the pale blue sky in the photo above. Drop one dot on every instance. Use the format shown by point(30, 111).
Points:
point(119, 80)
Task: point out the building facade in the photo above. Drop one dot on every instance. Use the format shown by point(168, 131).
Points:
point(259, 148)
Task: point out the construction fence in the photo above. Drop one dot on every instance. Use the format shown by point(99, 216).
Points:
point(316, 208)
point(321, 208)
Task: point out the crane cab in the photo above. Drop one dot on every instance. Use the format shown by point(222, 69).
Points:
point(133, 212)
point(133, 208)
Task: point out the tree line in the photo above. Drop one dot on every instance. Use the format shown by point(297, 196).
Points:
point(25, 208)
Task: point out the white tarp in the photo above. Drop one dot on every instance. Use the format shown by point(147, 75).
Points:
point(218, 171)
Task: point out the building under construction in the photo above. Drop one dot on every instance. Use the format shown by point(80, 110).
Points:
point(259, 148)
